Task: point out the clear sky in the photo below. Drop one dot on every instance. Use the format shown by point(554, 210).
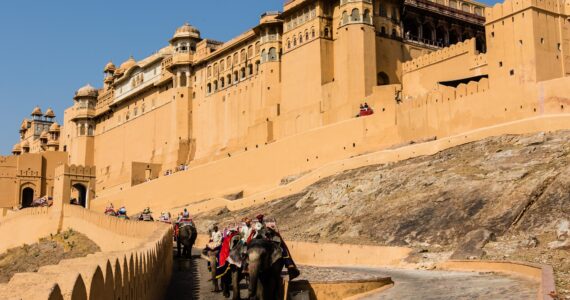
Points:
point(50, 48)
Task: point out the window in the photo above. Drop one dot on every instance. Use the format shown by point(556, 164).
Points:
point(465, 7)
point(250, 52)
point(327, 30)
point(294, 41)
point(209, 73)
point(313, 32)
point(288, 43)
point(90, 130)
point(367, 18)
point(306, 35)
point(249, 69)
point(215, 85)
point(257, 63)
point(355, 15)
point(383, 30)
point(229, 78)
point(383, 12)
point(344, 18)
point(263, 56)
point(222, 82)
point(242, 55)
point(242, 73)
point(300, 38)
point(273, 54)
point(136, 111)
point(382, 79)
point(183, 81)
point(209, 88)
point(257, 47)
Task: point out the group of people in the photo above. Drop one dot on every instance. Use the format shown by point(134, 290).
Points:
point(179, 168)
point(247, 231)
point(365, 110)
point(120, 213)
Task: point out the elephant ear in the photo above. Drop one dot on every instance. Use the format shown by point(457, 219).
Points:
point(276, 254)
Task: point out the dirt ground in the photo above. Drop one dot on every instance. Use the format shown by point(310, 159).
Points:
point(48, 251)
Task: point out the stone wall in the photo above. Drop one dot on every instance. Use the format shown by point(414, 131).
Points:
point(136, 261)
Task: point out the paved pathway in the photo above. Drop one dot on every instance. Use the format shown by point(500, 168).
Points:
point(190, 281)
point(438, 285)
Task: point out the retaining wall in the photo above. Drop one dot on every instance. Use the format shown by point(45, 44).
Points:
point(540, 273)
point(136, 265)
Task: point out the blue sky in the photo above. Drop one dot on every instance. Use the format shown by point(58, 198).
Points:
point(48, 49)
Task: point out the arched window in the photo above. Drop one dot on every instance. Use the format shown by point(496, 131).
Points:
point(300, 38)
point(273, 54)
point(367, 18)
point(257, 47)
point(209, 73)
point(288, 44)
point(183, 82)
point(263, 55)
point(383, 12)
point(249, 69)
point(82, 127)
point(355, 15)
point(383, 30)
point(382, 79)
point(327, 31)
point(90, 130)
point(215, 85)
point(344, 17)
point(209, 88)
point(441, 36)
point(294, 41)
point(229, 78)
point(306, 35)
point(242, 55)
point(250, 51)
point(428, 32)
point(222, 83)
point(313, 32)
point(236, 77)
point(229, 61)
point(242, 73)
point(257, 63)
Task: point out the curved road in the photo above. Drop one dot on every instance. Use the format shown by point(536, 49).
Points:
point(190, 281)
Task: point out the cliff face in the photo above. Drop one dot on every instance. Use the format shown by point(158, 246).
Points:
point(508, 186)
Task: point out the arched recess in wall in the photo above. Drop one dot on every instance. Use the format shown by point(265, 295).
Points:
point(428, 32)
point(79, 194)
point(454, 37)
point(382, 79)
point(480, 43)
point(90, 130)
point(411, 29)
point(273, 54)
point(183, 82)
point(344, 18)
point(355, 15)
point(229, 79)
point(441, 36)
point(27, 196)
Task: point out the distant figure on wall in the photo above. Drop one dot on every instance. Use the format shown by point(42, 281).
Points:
point(146, 215)
point(365, 110)
point(122, 213)
point(110, 210)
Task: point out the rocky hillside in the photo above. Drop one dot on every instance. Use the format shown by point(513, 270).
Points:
point(456, 200)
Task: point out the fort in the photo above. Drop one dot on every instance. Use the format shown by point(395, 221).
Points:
point(201, 119)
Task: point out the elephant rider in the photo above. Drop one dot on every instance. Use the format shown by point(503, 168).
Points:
point(110, 210)
point(211, 251)
point(246, 229)
point(146, 215)
point(287, 259)
point(184, 217)
point(122, 213)
point(165, 217)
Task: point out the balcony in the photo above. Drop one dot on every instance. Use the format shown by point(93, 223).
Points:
point(446, 11)
point(182, 58)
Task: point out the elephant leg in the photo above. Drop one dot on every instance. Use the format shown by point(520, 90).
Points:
point(235, 283)
point(178, 247)
point(214, 265)
point(253, 276)
point(226, 284)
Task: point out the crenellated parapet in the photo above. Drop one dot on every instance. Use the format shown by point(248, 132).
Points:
point(142, 271)
point(510, 7)
point(465, 47)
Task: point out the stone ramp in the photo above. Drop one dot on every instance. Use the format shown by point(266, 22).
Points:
point(445, 285)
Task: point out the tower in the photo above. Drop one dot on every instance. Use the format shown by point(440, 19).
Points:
point(81, 152)
point(355, 52)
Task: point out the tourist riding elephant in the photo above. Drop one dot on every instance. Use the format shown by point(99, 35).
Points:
point(265, 264)
point(187, 235)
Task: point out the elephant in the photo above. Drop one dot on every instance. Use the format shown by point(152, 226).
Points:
point(187, 235)
point(265, 261)
point(234, 274)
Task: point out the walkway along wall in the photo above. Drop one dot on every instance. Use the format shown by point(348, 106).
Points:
point(467, 108)
point(136, 262)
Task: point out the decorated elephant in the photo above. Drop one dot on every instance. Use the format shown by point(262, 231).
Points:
point(232, 256)
point(185, 239)
point(265, 262)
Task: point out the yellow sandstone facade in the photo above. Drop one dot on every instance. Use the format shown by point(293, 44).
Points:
point(281, 98)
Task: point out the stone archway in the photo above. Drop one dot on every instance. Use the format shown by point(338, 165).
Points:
point(27, 197)
point(79, 194)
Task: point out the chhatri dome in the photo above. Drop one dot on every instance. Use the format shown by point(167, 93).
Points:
point(110, 67)
point(17, 148)
point(50, 113)
point(186, 31)
point(86, 91)
point(37, 112)
point(54, 127)
point(128, 64)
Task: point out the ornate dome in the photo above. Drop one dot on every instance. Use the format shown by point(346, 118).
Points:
point(110, 67)
point(128, 64)
point(86, 91)
point(54, 127)
point(186, 31)
point(37, 111)
point(50, 113)
point(17, 148)
point(25, 144)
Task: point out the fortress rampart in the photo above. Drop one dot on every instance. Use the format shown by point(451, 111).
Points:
point(509, 7)
point(135, 262)
point(466, 47)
